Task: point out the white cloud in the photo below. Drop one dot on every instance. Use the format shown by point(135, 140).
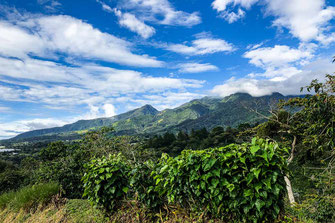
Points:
point(276, 56)
point(287, 86)
point(167, 99)
point(161, 12)
point(106, 7)
point(201, 46)
point(110, 110)
point(196, 67)
point(280, 61)
point(285, 70)
point(55, 84)
point(47, 35)
point(221, 5)
point(232, 17)
point(307, 20)
point(11, 129)
point(17, 42)
point(131, 22)
point(51, 5)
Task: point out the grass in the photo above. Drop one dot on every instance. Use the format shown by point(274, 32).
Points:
point(29, 197)
point(81, 211)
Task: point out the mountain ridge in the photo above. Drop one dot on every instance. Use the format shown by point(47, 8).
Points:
point(204, 112)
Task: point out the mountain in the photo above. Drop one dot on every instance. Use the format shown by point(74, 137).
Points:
point(205, 112)
point(83, 125)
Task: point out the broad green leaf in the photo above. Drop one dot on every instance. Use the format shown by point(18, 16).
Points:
point(125, 189)
point(254, 149)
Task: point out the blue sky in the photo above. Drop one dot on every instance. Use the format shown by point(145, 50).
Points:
point(61, 61)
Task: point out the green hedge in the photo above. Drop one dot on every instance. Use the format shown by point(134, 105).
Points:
point(142, 183)
point(238, 182)
point(243, 182)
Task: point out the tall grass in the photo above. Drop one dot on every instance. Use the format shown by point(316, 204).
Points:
point(29, 197)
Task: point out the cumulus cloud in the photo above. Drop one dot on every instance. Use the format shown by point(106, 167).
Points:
point(196, 67)
point(160, 12)
point(11, 129)
point(232, 17)
point(280, 61)
point(287, 86)
point(131, 22)
point(56, 84)
point(276, 56)
point(223, 7)
point(109, 110)
point(202, 46)
point(48, 35)
point(307, 20)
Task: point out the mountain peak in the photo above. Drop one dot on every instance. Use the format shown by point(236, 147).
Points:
point(148, 110)
point(277, 94)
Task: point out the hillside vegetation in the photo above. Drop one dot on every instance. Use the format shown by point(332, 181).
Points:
point(281, 170)
point(200, 113)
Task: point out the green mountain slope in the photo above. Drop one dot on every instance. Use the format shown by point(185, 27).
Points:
point(205, 112)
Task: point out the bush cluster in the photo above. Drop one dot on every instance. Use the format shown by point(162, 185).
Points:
point(142, 183)
point(106, 181)
point(242, 182)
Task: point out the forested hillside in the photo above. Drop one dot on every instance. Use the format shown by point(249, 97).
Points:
point(207, 113)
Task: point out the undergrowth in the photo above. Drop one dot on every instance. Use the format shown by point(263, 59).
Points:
point(29, 197)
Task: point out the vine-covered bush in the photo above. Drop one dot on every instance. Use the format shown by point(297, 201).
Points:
point(241, 182)
point(143, 184)
point(106, 181)
point(238, 182)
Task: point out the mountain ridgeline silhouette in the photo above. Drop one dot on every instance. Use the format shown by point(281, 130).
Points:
point(206, 112)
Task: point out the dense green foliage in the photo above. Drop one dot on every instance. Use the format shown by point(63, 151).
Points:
point(142, 183)
point(310, 133)
point(106, 181)
point(10, 176)
point(62, 163)
point(196, 139)
point(244, 182)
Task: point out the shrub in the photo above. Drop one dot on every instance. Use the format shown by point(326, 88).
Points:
point(66, 171)
point(29, 197)
point(53, 151)
point(241, 182)
point(106, 181)
point(10, 179)
point(143, 184)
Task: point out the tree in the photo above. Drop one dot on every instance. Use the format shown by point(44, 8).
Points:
point(306, 124)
